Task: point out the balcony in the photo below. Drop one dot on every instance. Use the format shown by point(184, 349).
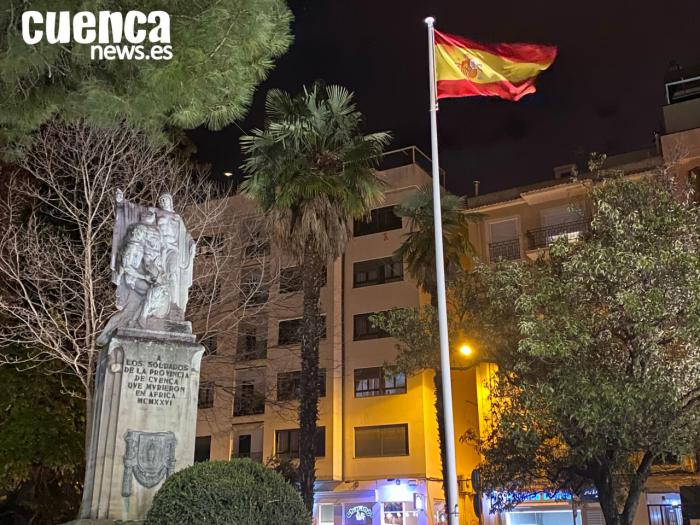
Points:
point(250, 348)
point(547, 235)
point(255, 456)
point(504, 250)
point(249, 404)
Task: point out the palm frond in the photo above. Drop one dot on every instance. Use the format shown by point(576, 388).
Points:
point(418, 248)
point(311, 169)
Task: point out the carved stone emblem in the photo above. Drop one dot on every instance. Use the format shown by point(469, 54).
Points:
point(149, 457)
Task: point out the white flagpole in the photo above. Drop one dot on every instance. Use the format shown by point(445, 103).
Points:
point(451, 481)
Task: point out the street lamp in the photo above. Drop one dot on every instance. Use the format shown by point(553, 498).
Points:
point(466, 350)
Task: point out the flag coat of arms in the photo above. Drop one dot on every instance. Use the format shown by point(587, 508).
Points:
point(465, 68)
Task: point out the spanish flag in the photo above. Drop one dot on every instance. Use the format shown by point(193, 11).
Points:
point(465, 68)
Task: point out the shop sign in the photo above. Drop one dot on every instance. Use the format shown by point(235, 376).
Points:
point(359, 514)
point(542, 496)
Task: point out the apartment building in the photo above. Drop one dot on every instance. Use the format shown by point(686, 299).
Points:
point(378, 458)
point(377, 454)
point(520, 223)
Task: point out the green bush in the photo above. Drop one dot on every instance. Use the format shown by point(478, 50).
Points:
point(239, 492)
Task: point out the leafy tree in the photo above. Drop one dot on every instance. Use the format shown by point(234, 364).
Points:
point(418, 252)
point(41, 450)
point(311, 171)
point(221, 51)
point(601, 375)
point(596, 347)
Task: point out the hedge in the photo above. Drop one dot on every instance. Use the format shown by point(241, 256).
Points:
point(237, 492)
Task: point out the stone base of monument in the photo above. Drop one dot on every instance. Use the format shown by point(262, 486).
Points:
point(102, 522)
point(144, 425)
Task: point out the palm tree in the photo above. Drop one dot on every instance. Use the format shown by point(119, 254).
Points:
point(418, 248)
point(311, 170)
point(418, 252)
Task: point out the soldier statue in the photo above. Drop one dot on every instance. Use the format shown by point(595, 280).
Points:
point(152, 255)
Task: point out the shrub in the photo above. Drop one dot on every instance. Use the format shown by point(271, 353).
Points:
point(239, 492)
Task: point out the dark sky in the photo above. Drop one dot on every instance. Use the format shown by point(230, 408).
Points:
point(603, 93)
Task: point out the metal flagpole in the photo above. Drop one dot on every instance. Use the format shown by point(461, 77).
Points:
point(451, 481)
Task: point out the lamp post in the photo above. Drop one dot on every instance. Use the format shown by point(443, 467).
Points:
point(466, 350)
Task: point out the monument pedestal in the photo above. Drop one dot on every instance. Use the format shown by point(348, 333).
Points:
point(145, 415)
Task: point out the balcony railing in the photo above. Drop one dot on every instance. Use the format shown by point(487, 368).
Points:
point(504, 250)
point(547, 235)
point(406, 157)
point(255, 456)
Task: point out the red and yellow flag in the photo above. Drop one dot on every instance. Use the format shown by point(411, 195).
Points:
point(465, 68)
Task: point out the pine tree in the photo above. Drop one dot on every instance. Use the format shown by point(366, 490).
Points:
point(221, 51)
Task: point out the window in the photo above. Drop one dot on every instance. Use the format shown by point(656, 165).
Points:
point(288, 384)
point(567, 222)
point(364, 329)
point(251, 345)
point(202, 449)
point(668, 458)
point(505, 241)
point(248, 401)
point(290, 331)
point(287, 443)
point(665, 515)
point(208, 245)
point(400, 513)
point(377, 271)
point(254, 290)
point(381, 220)
point(210, 345)
point(205, 398)
point(382, 441)
point(244, 443)
point(376, 381)
point(245, 446)
point(325, 514)
point(290, 280)
point(548, 517)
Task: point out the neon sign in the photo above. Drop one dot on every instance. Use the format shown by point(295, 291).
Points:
point(359, 513)
point(543, 496)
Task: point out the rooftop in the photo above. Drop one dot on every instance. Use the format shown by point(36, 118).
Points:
point(628, 163)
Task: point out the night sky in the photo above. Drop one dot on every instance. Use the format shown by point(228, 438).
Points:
point(603, 93)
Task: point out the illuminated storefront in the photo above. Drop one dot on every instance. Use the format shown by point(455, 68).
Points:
point(389, 502)
point(559, 509)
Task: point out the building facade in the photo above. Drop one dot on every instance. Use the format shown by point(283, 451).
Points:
point(520, 223)
point(378, 457)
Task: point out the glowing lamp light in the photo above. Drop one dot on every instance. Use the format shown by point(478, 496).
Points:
point(466, 350)
point(228, 174)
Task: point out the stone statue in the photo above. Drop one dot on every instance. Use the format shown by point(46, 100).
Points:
point(152, 256)
point(147, 375)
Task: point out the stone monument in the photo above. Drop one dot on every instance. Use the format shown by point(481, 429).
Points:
point(147, 379)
